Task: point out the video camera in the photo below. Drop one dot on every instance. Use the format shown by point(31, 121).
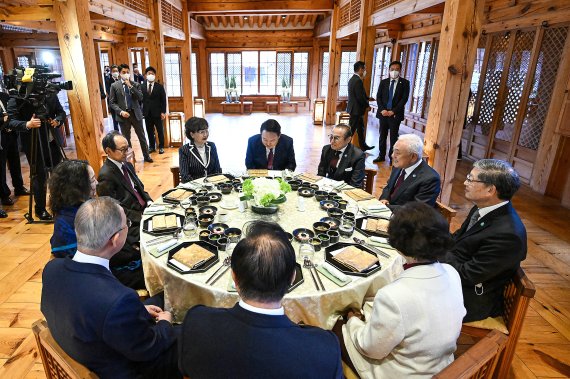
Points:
point(33, 85)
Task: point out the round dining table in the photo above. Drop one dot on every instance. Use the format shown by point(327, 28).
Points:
point(305, 303)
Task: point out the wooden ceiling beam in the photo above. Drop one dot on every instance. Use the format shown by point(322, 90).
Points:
point(260, 20)
point(305, 19)
point(268, 21)
point(250, 21)
point(26, 13)
point(231, 21)
point(119, 12)
point(240, 21)
point(401, 9)
point(197, 30)
point(323, 28)
point(215, 21)
point(29, 40)
point(241, 5)
point(224, 21)
point(40, 26)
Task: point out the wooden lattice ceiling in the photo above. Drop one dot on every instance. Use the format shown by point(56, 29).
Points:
point(259, 21)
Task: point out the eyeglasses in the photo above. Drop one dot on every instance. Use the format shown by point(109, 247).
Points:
point(129, 223)
point(335, 138)
point(470, 179)
point(203, 131)
point(123, 150)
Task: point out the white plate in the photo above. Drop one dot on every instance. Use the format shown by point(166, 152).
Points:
point(228, 207)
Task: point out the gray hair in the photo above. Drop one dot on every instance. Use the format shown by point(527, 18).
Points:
point(499, 174)
point(414, 144)
point(96, 221)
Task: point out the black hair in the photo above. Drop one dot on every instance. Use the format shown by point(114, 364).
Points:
point(109, 140)
point(358, 65)
point(193, 125)
point(115, 66)
point(69, 184)
point(271, 126)
point(150, 68)
point(263, 262)
point(347, 130)
point(499, 174)
point(396, 62)
point(419, 231)
point(122, 66)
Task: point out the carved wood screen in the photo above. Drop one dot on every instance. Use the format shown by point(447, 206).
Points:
point(349, 13)
point(510, 98)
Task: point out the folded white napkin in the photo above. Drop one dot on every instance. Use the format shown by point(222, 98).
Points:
point(335, 272)
point(377, 208)
point(155, 208)
point(166, 245)
point(379, 240)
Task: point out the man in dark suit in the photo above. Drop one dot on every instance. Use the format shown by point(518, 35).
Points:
point(411, 178)
point(124, 98)
point(270, 149)
point(154, 109)
point(255, 339)
point(358, 104)
point(111, 78)
point(137, 76)
point(94, 318)
point(341, 160)
point(491, 243)
point(22, 117)
point(392, 96)
point(117, 179)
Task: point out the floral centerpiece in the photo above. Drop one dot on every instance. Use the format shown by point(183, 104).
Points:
point(265, 194)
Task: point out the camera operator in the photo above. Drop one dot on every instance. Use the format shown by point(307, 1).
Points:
point(22, 118)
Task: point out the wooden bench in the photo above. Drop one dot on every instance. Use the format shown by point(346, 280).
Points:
point(269, 104)
point(246, 106)
point(291, 104)
point(237, 106)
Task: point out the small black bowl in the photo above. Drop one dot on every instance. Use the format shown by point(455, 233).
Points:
point(325, 239)
point(202, 201)
point(306, 192)
point(332, 221)
point(328, 204)
point(218, 228)
point(335, 212)
point(337, 198)
point(348, 215)
point(295, 184)
point(214, 197)
point(316, 243)
point(203, 235)
point(303, 234)
point(213, 238)
point(321, 227)
point(342, 204)
point(238, 187)
point(223, 243)
point(193, 199)
point(321, 195)
point(208, 210)
point(233, 234)
point(334, 236)
point(226, 188)
point(201, 192)
point(205, 220)
point(236, 181)
point(314, 186)
point(306, 184)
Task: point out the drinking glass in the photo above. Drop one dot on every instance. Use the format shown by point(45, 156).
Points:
point(352, 207)
point(190, 227)
point(346, 228)
point(306, 250)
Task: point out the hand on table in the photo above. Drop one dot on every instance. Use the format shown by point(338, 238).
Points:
point(164, 315)
point(153, 310)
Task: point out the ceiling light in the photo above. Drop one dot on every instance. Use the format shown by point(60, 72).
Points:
point(283, 17)
point(245, 17)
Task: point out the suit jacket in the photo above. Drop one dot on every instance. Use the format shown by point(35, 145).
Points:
point(489, 254)
point(98, 321)
point(112, 183)
point(191, 165)
point(283, 156)
point(350, 168)
point(399, 100)
point(357, 97)
point(423, 184)
point(154, 103)
point(118, 101)
point(237, 343)
point(412, 328)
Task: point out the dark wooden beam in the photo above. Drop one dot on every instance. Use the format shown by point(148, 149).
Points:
point(244, 5)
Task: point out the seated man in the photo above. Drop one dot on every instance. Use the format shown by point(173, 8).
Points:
point(270, 149)
point(94, 318)
point(411, 179)
point(341, 160)
point(255, 339)
point(117, 179)
point(491, 243)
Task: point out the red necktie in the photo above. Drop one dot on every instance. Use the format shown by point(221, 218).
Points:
point(334, 162)
point(398, 182)
point(128, 179)
point(270, 160)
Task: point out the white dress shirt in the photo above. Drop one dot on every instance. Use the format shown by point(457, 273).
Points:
point(202, 152)
point(340, 155)
point(120, 166)
point(411, 169)
point(263, 311)
point(487, 210)
point(92, 259)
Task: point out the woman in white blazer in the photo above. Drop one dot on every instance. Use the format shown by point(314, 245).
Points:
point(413, 325)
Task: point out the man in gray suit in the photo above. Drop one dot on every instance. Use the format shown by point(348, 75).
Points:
point(124, 99)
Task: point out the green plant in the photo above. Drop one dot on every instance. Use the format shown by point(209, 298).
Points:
point(233, 82)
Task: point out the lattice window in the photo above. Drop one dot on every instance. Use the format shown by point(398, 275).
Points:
point(193, 65)
point(421, 78)
point(344, 16)
point(166, 9)
point(177, 18)
point(1, 72)
point(381, 4)
point(173, 76)
point(300, 74)
point(543, 84)
point(284, 61)
point(140, 6)
point(431, 79)
point(409, 69)
point(404, 59)
point(347, 61)
point(267, 72)
point(519, 65)
point(104, 61)
point(250, 63)
point(475, 78)
point(492, 82)
point(381, 66)
point(354, 10)
point(24, 61)
point(234, 67)
point(217, 74)
point(325, 75)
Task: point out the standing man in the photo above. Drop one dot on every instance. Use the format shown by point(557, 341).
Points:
point(109, 80)
point(358, 104)
point(491, 243)
point(341, 160)
point(124, 98)
point(137, 74)
point(154, 109)
point(392, 97)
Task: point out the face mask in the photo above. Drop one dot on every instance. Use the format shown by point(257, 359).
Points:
point(115, 75)
point(394, 74)
point(124, 76)
point(150, 77)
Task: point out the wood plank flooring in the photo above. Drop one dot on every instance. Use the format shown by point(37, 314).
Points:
point(544, 346)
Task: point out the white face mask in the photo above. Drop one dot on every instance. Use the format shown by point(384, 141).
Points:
point(394, 74)
point(115, 75)
point(150, 78)
point(125, 76)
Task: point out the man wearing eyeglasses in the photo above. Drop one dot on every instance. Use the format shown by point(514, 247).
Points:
point(341, 160)
point(117, 179)
point(491, 243)
point(93, 317)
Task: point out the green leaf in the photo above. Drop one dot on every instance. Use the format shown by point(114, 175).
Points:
point(266, 200)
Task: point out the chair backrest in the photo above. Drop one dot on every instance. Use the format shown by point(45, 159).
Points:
point(479, 361)
point(175, 170)
point(368, 182)
point(447, 212)
point(57, 364)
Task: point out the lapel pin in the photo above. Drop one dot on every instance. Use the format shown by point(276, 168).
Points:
point(482, 224)
point(413, 175)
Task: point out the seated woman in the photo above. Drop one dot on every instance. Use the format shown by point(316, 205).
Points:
point(71, 184)
point(199, 158)
point(414, 323)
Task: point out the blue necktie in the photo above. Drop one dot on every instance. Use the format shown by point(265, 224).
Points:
point(390, 95)
point(128, 97)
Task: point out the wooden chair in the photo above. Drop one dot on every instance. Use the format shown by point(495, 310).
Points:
point(368, 182)
point(479, 362)
point(517, 294)
point(175, 170)
point(447, 212)
point(57, 364)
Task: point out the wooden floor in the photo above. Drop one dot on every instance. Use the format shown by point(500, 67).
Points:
point(544, 347)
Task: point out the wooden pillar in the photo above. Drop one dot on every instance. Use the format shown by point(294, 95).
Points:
point(8, 60)
point(365, 50)
point(186, 62)
point(202, 66)
point(314, 74)
point(75, 38)
point(121, 53)
point(461, 28)
point(100, 76)
point(334, 69)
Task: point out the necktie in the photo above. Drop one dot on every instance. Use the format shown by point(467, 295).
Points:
point(399, 181)
point(270, 160)
point(334, 162)
point(128, 179)
point(128, 97)
point(473, 220)
point(390, 95)
point(150, 88)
